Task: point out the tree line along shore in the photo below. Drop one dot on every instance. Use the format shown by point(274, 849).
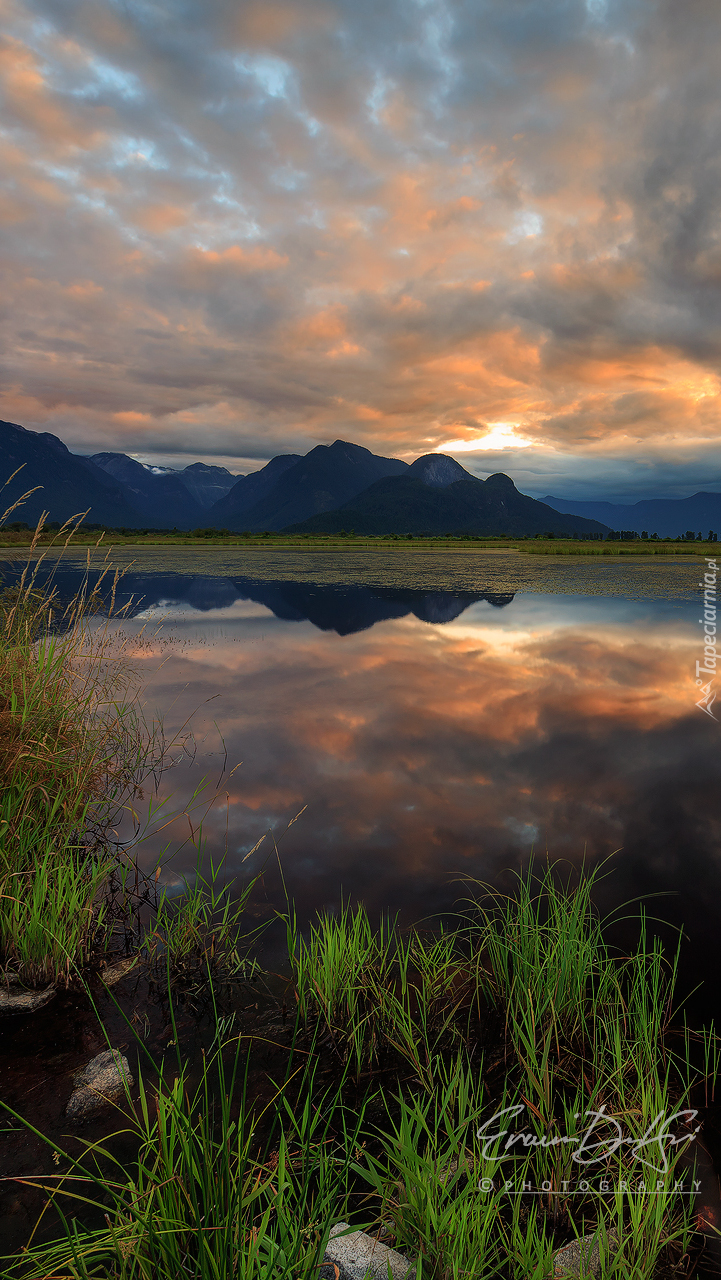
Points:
point(540, 544)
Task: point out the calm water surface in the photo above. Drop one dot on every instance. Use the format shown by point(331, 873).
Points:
point(436, 716)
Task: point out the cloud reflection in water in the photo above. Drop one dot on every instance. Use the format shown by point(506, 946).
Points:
point(427, 752)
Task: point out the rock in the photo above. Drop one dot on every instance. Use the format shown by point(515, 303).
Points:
point(112, 973)
point(448, 1171)
point(100, 1082)
point(15, 998)
point(358, 1255)
point(567, 1262)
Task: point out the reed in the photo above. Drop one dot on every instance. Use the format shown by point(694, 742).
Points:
point(200, 930)
point(339, 974)
point(423, 1177)
point(73, 748)
point(377, 991)
point(223, 1186)
point(582, 1033)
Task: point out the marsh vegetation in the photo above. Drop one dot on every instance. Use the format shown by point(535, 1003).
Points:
point(384, 1106)
point(539, 545)
point(71, 751)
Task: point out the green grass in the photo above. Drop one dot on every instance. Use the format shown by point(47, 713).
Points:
point(642, 548)
point(530, 545)
point(200, 929)
point(379, 992)
point(578, 1029)
point(73, 750)
point(390, 1125)
point(52, 918)
point(210, 1194)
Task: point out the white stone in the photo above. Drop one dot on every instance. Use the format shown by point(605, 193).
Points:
point(14, 998)
point(567, 1262)
point(112, 973)
point(357, 1256)
point(101, 1081)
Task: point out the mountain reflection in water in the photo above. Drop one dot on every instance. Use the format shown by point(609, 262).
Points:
point(343, 609)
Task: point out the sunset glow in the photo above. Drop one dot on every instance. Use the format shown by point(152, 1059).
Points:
point(500, 435)
point(238, 230)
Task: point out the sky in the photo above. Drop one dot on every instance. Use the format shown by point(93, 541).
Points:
point(237, 228)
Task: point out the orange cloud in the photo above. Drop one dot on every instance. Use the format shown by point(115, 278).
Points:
point(162, 217)
point(256, 259)
point(347, 231)
point(33, 105)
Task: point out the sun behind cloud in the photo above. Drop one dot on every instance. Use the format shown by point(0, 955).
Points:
point(500, 435)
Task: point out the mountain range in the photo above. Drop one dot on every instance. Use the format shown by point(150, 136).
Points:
point(115, 490)
point(436, 495)
point(65, 484)
point(336, 487)
point(162, 493)
point(328, 476)
point(668, 517)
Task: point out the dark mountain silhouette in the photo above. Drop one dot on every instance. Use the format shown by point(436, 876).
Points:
point(326, 477)
point(228, 511)
point(69, 485)
point(668, 517)
point(335, 487)
point(162, 500)
point(436, 495)
point(205, 484)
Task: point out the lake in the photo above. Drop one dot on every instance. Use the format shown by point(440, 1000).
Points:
point(436, 716)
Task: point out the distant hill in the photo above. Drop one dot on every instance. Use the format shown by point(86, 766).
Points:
point(162, 498)
point(69, 484)
point(436, 495)
point(205, 484)
point(668, 517)
point(328, 476)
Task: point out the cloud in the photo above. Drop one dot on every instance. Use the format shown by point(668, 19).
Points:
point(283, 223)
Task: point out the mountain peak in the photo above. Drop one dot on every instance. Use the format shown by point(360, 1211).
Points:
point(499, 480)
point(206, 469)
point(438, 470)
point(348, 449)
